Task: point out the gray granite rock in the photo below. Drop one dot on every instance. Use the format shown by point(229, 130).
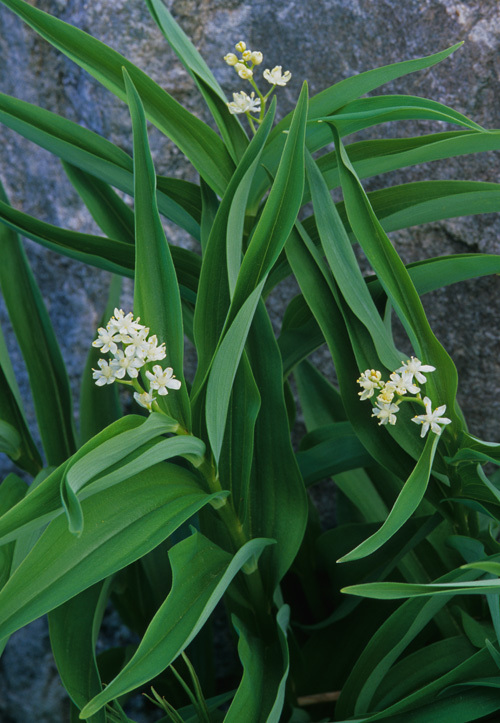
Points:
point(324, 42)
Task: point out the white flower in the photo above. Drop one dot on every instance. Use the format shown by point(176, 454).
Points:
point(243, 103)
point(276, 77)
point(243, 71)
point(231, 59)
point(122, 324)
point(431, 419)
point(155, 351)
point(129, 364)
point(162, 379)
point(404, 383)
point(105, 341)
point(103, 375)
point(145, 399)
point(369, 380)
point(256, 57)
point(138, 344)
point(241, 46)
point(415, 367)
point(385, 412)
point(246, 55)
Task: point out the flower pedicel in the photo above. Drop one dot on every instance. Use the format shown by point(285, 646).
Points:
point(138, 349)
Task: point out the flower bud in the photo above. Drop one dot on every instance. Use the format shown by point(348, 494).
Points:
point(246, 55)
point(256, 57)
point(243, 71)
point(231, 59)
point(241, 46)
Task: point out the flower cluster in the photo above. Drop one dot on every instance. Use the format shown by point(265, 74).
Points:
point(391, 393)
point(138, 348)
point(245, 66)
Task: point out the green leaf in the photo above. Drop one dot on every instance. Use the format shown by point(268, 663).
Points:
point(197, 141)
point(47, 374)
point(98, 157)
point(157, 298)
point(201, 573)
point(407, 502)
point(388, 644)
point(231, 130)
point(116, 457)
point(121, 525)
point(22, 449)
point(332, 99)
point(398, 286)
point(330, 450)
point(377, 156)
point(261, 693)
point(344, 266)
point(73, 629)
point(98, 251)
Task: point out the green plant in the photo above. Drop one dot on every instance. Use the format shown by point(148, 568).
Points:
point(199, 496)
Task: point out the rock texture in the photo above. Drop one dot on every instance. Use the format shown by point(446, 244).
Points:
point(324, 42)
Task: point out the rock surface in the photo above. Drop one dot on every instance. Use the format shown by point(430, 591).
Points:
point(324, 42)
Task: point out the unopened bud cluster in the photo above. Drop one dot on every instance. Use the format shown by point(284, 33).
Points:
point(244, 66)
point(393, 392)
point(136, 349)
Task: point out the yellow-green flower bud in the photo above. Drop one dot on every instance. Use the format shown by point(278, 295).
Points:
point(231, 59)
point(241, 46)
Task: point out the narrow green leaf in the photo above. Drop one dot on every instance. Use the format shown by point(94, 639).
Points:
point(25, 453)
point(398, 286)
point(98, 251)
point(231, 130)
point(407, 502)
point(156, 291)
point(121, 525)
point(332, 99)
point(98, 157)
point(202, 572)
point(197, 141)
point(47, 374)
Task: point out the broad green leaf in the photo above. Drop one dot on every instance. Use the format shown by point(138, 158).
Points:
point(229, 126)
point(275, 478)
point(24, 451)
point(98, 157)
point(332, 99)
point(330, 450)
point(121, 525)
point(407, 502)
point(43, 501)
point(261, 693)
point(198, 142)
point(202, 571)
point(116, 457)
point(47, 374)
point(73, 629)
point(300, 334)
point(157, 298)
